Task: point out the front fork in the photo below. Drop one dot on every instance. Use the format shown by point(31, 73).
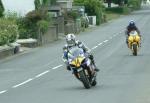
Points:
point(130, 45)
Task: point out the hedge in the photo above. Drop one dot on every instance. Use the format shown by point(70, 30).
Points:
point(135, 4)
point(119, 10)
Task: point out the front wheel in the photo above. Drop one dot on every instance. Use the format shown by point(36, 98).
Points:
point(84, 79)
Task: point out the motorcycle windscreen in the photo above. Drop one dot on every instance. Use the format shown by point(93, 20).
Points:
point(76, 56)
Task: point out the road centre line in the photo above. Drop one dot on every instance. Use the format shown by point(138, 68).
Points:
point(22, 83)
point(100, 44)
point(94, 47)
point(105, 41)
point(39, 75)
point(36, 77)
point(57, 67)
point(1, 92)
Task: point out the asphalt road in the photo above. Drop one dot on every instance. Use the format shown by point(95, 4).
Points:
point(39, 76)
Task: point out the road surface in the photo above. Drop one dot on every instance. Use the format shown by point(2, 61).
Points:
point(39, 76)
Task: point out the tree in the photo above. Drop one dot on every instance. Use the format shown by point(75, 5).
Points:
point(109, 3)
point(1, 8)
point(37, 4)
point(119, 2)
point(135, 4)
point(92, 7)
point(41, 4)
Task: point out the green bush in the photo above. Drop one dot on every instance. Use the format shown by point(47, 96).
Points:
point(28, 24)
point(23, 28)
point(72, 14)
point(12, 16)
point(32, 22)
point(93, 7)
point(8, 31)
point(135, 4)
point(42, 25)
point(119, 10)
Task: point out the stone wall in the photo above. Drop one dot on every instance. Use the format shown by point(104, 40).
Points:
point(73, 27)
point(6, 51)
point(50, 35)
point(59, 21)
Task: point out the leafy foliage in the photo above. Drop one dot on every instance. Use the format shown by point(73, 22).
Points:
point(41, 4)
point(1, 9)
point(28, 26)
point(8, 31)
point(72, 15)
point(93, 7)
point(118, 10)
point(34, 20)
point(135, 4)
point(43, 25)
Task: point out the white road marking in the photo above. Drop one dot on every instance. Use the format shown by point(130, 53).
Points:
point(1, 92)
point(90, 50)
point(39, 75)
point(105, 41)
point(22, 83)
point(100, 44)
point(94, 47)
point(57, 66)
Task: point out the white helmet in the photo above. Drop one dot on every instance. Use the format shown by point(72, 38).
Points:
point(70, 39)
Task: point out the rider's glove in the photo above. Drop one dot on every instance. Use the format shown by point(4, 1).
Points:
point(68, 68)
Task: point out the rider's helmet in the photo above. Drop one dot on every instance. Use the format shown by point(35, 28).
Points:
point(71, 39)
point(131, 23)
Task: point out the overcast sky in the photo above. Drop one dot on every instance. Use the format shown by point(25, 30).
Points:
point(20, 6)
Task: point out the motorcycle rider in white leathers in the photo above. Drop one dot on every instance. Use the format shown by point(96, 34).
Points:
point(71, 42)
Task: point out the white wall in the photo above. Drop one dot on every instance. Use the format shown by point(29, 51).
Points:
point(19, 6)
point(148, 1)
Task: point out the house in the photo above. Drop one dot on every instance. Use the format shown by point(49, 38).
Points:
point(65, 4)
point(55, 10)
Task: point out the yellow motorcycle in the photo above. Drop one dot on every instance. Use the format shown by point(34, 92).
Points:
point(134, 42)
point(82, 67)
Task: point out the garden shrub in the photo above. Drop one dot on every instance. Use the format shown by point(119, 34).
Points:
point(135, 4)
point(8, 31)
point(119, 10)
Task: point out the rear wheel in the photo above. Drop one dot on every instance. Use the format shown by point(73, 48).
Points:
point(94, 83)
point(135, 49)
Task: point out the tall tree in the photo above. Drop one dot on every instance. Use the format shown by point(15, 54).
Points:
point(109, 3)
point(37, 4)
point(93, 7)
point(1, 8)
point(41, 4)
point(119, 2)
